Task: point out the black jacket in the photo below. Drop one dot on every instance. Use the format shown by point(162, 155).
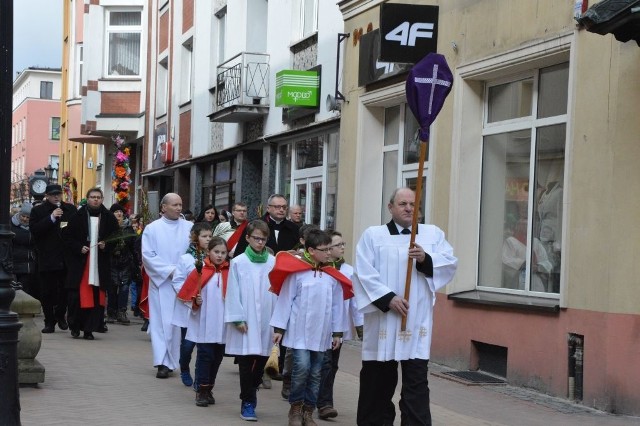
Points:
point(48, 234)
point(287, 236)
point(75, 237)
point(124, 265)
point(24, 249)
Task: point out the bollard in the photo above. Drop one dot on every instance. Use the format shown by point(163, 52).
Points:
point(30, 371)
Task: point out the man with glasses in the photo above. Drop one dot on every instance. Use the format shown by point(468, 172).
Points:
point(382, 255)
point(46, 224)
point(284, 233)
point(238, 223)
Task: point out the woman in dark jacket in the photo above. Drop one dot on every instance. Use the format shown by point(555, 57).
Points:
point(209, 214)
point(24, 252)
point(88, 257)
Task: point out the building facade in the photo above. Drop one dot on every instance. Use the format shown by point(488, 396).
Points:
point(104, 67)
point(528, 172)
point(35, 140)
point(219, 133)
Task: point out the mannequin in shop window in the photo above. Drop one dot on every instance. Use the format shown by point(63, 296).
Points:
point(514, 254)
point(550, 217)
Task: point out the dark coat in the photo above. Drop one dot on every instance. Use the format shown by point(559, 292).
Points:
point(75, 237)
point(24, 249)
point(124, 265)
point(287, 237)
point(48, 234)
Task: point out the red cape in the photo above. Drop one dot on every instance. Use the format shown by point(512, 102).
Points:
point(144, 295)
point(235, 237)
point(286, 264)
point(189, 289)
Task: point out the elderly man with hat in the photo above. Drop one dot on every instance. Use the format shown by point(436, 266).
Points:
point(46, 224)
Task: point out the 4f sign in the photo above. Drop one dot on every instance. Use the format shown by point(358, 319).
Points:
point(409, 32)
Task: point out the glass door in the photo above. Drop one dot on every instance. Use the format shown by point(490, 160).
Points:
point(308, 194)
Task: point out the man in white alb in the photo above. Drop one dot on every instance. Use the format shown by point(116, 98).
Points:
point(163, 242)
point(382, 255)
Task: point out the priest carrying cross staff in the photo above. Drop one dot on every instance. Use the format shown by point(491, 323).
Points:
point(398, 268)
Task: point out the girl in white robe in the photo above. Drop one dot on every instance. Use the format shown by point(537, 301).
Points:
point(204, 293)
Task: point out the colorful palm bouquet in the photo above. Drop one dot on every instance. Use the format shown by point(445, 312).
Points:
point(121, 174)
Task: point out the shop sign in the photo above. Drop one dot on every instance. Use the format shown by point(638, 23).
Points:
point(297, 88)
point(409, 32)
point(371, 69)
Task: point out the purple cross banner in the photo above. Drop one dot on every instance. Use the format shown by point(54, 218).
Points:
point(428, 84)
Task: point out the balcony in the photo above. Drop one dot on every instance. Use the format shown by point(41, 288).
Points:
point(242, 89)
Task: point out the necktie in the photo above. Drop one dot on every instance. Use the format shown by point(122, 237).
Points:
point(406, 231)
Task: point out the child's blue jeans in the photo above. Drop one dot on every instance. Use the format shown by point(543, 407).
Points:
point(305, 376)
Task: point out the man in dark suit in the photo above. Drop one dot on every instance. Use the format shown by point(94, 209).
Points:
point(46, 224)
point(283, 233)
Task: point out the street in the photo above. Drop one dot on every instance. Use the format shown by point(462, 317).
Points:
point(111, 381)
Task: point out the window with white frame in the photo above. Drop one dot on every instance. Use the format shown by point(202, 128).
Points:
point(162, 87)
point(124, 34)
point(221, 18)
point(307, 18)
point(46, 90)
point(186, 71)
point(400, 155)
point(79, 70)
point(523, 163)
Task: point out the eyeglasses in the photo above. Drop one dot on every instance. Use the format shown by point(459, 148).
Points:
point(258, 239)
point(338, 245)
point(95, 197)
point(240, 211)
point(282, 207)
point(325, 250)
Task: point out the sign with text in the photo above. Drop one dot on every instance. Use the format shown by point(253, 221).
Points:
point(297, 88)
point(408, 32)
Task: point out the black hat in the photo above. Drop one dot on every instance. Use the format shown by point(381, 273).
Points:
point(115, 207)
point(53, 189)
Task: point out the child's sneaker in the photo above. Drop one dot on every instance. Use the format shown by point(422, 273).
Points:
point(247, 412)
point(187, 380)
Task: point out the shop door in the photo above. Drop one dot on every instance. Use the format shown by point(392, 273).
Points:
point(308, 194)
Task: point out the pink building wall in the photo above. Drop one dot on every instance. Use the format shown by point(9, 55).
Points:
point(36, 146)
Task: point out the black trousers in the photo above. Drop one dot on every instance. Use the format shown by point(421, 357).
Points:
point(251, 370)
point(378, 381)
point(53, 295)
point(87, 319)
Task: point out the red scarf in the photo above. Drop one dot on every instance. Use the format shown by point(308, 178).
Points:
point(189, 290)
point(286, 264)
point(235, 237)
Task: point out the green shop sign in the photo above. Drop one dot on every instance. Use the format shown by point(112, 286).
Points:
point(297, 88)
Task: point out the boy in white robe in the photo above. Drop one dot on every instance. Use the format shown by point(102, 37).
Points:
point(382, 255)
point(248, 309)
point(308, 313)
point(163, 242)
point(204, 292)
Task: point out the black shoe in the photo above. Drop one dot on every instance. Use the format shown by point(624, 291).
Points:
point(75, 333)
point(88, 336)
point(49, 329)
point(102, 328)
point(145, 325)
point(163, 372)
point(62, 324)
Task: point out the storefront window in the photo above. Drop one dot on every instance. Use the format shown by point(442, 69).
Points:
point(309, 153)
point(522, 184)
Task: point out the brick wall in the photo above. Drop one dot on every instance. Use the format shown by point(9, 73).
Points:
point(184, 150)
point(187, 15)
point(163, 31)
point(120, 102)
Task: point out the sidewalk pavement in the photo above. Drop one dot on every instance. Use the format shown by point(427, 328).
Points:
point(111, 381)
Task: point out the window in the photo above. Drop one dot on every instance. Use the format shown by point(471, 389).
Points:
point(221, 16)
point(400, 156)
point(162, 87)
point(79, 69)
point(186, 71)
point(219, 185)
point(55, 129)
point(124, 32)
point(308, 17)
point(523, 157)
point(46, 90)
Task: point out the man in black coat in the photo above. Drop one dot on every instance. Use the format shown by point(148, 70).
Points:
point(46, 223)
point(89, 262)
point(283, 233)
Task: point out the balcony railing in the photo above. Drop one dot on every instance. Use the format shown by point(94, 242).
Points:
point(243, 80)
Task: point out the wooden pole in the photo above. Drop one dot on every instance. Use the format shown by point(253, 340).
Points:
point(424, 145)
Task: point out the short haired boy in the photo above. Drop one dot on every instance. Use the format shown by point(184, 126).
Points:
point(248, 308)
point(309, 307)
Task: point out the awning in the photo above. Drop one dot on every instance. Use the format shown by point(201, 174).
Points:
point(618, 17)
point(91, 139)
